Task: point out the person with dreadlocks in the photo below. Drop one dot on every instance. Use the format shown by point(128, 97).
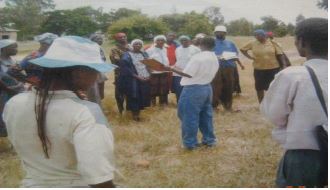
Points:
point(115, 55)
point(62, 140)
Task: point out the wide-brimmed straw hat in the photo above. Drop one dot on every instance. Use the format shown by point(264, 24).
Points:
point(72, 51)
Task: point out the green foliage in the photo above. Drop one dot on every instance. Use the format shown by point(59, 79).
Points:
point(71, 22)
point(139, 26)
point(214, 15)
point(240, 27)
point(26, 15)
point(173, 21)
point(123, 13)
point(281, 30)
point(269, 23)
point(291, 29)
point(188, 23)
point(196, 23)
point(323, 4)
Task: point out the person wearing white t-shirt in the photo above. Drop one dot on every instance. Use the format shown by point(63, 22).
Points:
point(195, 103)
point(183, 56)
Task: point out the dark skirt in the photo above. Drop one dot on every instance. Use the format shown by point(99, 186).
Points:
point(237, 86)
point(137, 103)
point(159, 84)
point(301, 168)
point(263, 78)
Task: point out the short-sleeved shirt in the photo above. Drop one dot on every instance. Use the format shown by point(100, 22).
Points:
point(183, 56)
point(202, 67)
point(81, 150)
point(225, 46)
point(264, 54)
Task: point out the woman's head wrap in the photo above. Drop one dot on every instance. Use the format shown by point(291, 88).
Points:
point(46, 38)
point(159, 37)
point(260, 32)
point(184, 37)
point(137, 41)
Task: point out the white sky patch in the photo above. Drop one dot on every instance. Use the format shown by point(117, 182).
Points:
point(284, 10)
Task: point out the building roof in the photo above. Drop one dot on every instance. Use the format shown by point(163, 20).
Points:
point(5, 29)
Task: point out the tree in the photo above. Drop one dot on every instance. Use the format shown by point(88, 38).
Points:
point(214, 15)
point(27, 15)
point(140, 26)
point(43, 5)
point(299, 18)
point(195, 23)
point(291, 29)
point(173, 21)
point(240, 27)
point(281, 30)
point(323, 4)
point(123, 13)
point(269, 23)
point(78, 21)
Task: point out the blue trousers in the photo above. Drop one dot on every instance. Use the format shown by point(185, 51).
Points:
point(195, 112)
point(177, 88)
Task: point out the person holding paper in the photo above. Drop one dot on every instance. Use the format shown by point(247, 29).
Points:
point(195, 103)
point(223, 83)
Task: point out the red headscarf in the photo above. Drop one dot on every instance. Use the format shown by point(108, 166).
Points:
point(270, 34)
point(119, 35)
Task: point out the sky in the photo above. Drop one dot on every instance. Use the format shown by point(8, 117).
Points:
point(284, 10)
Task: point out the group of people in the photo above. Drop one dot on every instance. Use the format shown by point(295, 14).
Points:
point(58, 134)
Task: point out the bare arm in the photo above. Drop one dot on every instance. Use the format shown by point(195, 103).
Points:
point(244, 52)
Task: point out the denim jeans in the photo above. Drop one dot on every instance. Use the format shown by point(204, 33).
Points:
point(195, 112)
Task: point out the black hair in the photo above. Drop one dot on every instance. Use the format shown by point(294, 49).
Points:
point(208, 42)
point(43, 98)
point(314, 31)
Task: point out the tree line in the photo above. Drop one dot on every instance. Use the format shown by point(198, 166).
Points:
point(32, 17)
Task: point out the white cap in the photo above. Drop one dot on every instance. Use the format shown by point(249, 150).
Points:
point(220, 28)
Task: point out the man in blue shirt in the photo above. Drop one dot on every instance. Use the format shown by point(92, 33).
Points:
point(223, 83)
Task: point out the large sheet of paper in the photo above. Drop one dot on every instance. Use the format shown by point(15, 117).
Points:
point(227, 55)
point(157, 66)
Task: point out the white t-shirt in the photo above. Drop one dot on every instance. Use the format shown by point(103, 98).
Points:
point(183, 55)
point(202, 67)
point(81, 151)
point(159, 55)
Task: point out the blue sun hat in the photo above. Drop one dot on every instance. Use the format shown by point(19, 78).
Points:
point(72, 51)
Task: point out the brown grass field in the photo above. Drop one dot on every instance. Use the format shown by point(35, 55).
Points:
point(149, 153)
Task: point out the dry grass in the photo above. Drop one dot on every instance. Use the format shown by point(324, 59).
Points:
point(149, 154)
